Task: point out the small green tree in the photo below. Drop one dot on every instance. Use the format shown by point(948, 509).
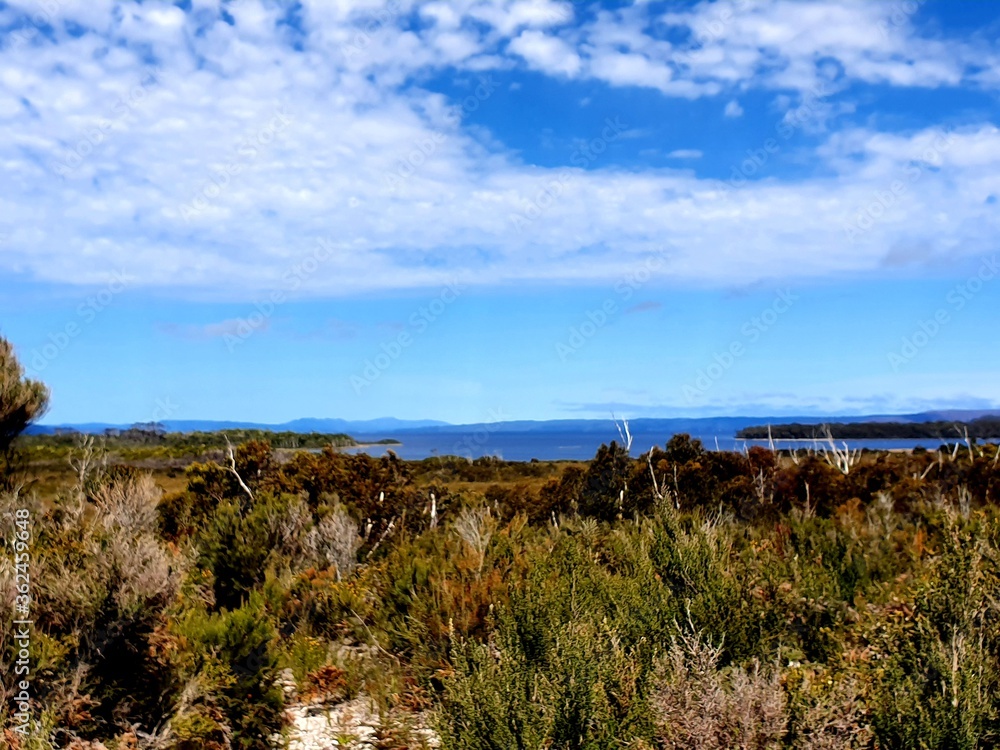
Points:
point(605, 483)
point(21, 402)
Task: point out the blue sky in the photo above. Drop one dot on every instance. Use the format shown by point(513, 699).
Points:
point(267, 211)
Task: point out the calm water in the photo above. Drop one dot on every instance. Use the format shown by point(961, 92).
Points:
point(551, 446)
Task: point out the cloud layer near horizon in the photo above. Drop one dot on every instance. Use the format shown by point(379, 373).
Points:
point(226, 151)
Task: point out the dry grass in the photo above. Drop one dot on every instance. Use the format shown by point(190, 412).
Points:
point(334, 542)
point(699, 707)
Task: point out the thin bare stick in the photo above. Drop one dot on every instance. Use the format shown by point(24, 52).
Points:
point(624, 433)
point(964, 434)
point(656, 487)
point(232, 468)
point(760, 485)
point(388, 530)
point(677, 490)
point(372, 636)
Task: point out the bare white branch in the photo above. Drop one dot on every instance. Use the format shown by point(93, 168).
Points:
point(232, 468)
point(624, 433)
point(842, 459)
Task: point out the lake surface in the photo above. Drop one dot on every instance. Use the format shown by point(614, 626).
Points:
point(572, 445)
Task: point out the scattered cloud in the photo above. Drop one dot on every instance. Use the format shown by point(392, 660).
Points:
point(733, 109)
point(184, 176)
point(332, 330)
point(685, 153)
point(546, 53)
point(208, 331)
point(648, 306)
point(341, 329)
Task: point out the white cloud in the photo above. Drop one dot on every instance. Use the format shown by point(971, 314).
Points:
point(797, 45)
point(628, 69)
point(546, 53)
point(733, 109)
point(791, 43)
point(507, 16)
point(685, 153)
point(185, 177)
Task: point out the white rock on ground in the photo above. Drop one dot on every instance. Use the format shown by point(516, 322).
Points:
point(320, 727)
point(351, 724)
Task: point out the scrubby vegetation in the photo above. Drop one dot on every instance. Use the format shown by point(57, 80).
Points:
point(684, 599)
point(984, 428)
point(21, 401)
point(151, 441)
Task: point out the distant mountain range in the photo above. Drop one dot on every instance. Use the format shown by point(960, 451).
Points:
point(326, 426)
point(387, 427)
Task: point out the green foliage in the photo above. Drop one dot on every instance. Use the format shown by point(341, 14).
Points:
point(557, 670)
point(605, 483)
point(431, 586)
point(21, 402)
point(443, 469)
point(685, 599)
point(239, 541)
point(151, 441)
point(232, 655)
point(939, 678)
point(987, 427)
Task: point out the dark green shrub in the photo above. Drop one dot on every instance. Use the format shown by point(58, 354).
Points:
point(605, 483)
point(231, 658)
